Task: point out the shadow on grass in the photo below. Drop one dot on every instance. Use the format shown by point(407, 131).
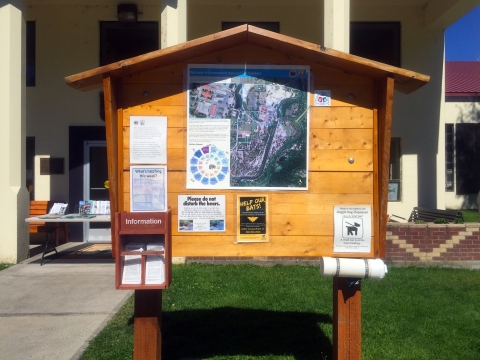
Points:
point(244, 332)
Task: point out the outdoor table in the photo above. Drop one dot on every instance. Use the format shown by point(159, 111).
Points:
point(53, 221)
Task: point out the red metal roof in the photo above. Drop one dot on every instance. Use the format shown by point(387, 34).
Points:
point(462, 78)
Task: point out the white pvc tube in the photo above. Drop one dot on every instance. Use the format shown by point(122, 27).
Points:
point(355, 268)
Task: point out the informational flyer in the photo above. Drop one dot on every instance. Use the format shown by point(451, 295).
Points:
point(353, 228)
point(248, 127)
point(132, 266)
point(148, 139)
point(252, 217)
point(208, 152)
point(148, 188)
point(201, 213)
point(155, 265)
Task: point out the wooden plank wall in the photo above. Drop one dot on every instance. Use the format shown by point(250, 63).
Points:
point(301, 222)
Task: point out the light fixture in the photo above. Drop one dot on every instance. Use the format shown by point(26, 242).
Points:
point(127, 12)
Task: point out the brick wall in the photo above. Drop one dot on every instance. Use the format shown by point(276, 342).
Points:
point(442, 243)
point(407, 243)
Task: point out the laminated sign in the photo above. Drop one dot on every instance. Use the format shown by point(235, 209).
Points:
point(252, 219)
point(353, 228)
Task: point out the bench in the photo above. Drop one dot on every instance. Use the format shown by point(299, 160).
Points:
point(41, 207)
point(429, 215)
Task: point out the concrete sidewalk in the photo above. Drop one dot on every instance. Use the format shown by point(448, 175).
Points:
point(52, 311)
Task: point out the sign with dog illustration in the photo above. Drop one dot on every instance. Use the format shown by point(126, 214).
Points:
point(353, 229)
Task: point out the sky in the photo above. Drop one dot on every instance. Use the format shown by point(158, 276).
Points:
point(462, 39)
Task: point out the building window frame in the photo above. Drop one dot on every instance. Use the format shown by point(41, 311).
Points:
point(449, 157)
point(30, 52)
point(395, 170)
point(123, 40)
point(377, 40)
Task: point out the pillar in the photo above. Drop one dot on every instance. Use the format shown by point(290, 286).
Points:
point(14, 207)
point(336, 24)
point(173, 22)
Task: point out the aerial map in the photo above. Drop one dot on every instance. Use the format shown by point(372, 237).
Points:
point(247, 127)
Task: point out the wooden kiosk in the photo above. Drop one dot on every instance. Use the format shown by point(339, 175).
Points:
point(347, 150)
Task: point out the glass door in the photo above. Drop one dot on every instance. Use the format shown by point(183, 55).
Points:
point(94, 188)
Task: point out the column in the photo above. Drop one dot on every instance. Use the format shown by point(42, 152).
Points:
point(336, 24)
point(173, 22)
point(14, 205)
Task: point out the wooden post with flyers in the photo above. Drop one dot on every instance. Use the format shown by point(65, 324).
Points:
point(143, 264)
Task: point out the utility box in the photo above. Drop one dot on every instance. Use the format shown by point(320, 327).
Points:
point(143, 255)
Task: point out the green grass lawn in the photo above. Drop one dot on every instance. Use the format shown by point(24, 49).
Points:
point(4, 266)
point(470, 215)
point(285, 312)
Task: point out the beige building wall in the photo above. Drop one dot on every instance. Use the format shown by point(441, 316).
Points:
point(416, 116)
point(67, 38)
point(302, 19)
point(68, 43)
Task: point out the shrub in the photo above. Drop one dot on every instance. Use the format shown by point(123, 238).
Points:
point(458, 221)
point(419, 222)
point(440, 221)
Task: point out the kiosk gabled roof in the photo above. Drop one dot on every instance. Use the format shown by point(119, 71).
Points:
point(405, 81)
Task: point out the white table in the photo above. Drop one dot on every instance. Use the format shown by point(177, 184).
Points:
point(52, 222)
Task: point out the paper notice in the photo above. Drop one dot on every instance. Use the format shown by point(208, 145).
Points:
point(132, 267)
point(155, 266)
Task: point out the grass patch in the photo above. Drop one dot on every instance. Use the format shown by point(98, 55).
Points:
point(470, 215)
point(285, 312)
point(3, 266)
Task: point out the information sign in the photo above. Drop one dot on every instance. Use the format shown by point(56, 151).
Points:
point(353, 228)
point(252, 219)
point(148, 139)
point(201, 213)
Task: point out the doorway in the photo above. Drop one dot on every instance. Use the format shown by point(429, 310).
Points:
point(95, 174)
point(78, 137)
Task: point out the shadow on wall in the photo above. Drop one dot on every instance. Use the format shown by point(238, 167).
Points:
point(469, 111)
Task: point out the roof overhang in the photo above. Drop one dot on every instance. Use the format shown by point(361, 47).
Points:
point(405, 81)
point(462, 94)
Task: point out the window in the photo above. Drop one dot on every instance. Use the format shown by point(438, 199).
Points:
point(449, 157)
point(267, 25)
point(467, 158)
point(30, 165)
point(30, 54)
point(123, 40)
point(394, 182)
point(379, 41)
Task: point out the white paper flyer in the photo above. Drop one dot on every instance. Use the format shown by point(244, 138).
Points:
point(201, 213)
point(132, 266)
point(353, 228)
point(148, 188)
point(155, 266)
point(148, 139)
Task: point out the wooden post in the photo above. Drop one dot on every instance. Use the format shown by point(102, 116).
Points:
point(147, 336)
point(347, 312)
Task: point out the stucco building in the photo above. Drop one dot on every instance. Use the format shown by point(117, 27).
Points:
point(43, 41)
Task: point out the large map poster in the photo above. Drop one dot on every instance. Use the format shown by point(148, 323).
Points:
point(247, 127)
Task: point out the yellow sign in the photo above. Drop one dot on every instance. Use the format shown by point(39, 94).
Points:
point(252, 218)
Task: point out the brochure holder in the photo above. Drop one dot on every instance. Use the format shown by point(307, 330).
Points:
point(143, 257)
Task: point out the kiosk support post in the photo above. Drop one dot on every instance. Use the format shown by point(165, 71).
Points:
point(347, 312)
point(147, 338)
